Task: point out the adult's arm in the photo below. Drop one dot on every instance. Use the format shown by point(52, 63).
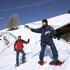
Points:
point(38, 30)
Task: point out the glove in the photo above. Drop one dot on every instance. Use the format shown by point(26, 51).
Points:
point(14, 49)
point(27, 27)
point(28, 40)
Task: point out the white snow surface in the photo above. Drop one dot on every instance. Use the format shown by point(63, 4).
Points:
point(32, 50)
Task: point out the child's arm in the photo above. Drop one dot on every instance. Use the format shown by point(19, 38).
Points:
point(26, 42)
point(15, 46)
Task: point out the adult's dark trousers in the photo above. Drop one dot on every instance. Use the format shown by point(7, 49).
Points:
point(53, 49)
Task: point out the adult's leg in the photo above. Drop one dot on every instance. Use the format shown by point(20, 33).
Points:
point(55, 54)
point(54, 50)
point(43, 46)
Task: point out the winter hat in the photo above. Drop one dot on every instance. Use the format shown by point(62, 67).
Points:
point(45, 20)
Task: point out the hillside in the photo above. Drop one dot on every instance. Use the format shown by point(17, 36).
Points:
point(32, 50)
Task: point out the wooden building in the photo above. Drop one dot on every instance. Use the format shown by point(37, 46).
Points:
point(64, 32)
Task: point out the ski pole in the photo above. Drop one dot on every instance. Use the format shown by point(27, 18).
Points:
point(6, 47)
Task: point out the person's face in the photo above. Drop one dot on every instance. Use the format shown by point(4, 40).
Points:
point(19, 37)
point(43, 23)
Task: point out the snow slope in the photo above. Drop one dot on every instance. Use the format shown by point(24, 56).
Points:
point(32, 50)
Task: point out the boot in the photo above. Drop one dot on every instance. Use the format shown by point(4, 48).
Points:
point(17, 64)
point(55, 62)
point(52, 62)
point(41, 62)
point(23, 60)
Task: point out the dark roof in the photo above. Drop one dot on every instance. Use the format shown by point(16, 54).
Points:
point(63, 31)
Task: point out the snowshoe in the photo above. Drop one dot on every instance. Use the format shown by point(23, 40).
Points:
point(56, 62)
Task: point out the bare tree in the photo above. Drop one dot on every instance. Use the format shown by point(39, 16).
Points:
point(13, 22)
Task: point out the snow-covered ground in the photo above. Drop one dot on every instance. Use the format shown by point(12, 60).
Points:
point(32, 50)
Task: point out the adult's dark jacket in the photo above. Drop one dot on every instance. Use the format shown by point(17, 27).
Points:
point(47, 33)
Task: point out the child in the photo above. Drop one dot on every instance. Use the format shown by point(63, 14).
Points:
point(18, 47)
